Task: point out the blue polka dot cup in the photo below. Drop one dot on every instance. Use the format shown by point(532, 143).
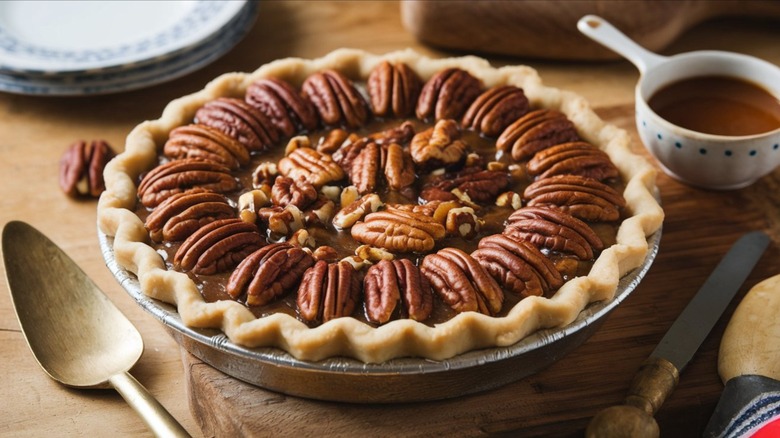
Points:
point(711, 161)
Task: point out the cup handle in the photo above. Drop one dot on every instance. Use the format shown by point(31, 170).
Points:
point(604, 33)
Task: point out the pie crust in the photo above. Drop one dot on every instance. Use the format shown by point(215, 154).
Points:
point(348, 336)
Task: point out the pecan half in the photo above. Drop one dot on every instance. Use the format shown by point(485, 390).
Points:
point(481, 186)
point(364, 167)
point(393, 89)
point(178, 176)
point(298, 192)
point(81, 168)
point(461, 282)
point(575, 158)
point(184, 213)
point(518, 265)
point(268, 273)
point(317, 168)
point(582, 197)
point(447, 94)
point(535, 131)
point(439, 146)
point(283, 105)
point(217, 247)
point(390, 283)
point(328, 291)
point(206, 143)
point(398, 231)
point(495, 109)
point(399, 167)
point(239, 120)
point(553, 229)
point(336, 99)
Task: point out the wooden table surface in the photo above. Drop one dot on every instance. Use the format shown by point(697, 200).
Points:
point(700, 225)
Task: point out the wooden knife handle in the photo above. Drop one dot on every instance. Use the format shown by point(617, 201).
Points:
point(652, 384)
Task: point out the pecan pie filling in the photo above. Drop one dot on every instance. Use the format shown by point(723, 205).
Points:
point(384, 200)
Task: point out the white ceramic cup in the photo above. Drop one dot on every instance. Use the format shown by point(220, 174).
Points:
point(699, 159)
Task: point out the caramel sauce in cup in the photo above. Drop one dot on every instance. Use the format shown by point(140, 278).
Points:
point(710, 118)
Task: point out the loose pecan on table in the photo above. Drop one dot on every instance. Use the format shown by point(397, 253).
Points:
point(393, 89)
point(317, 168)
point(206, 143)
point(81, 168)
point(268, 273)
point(575, 158)
point(461, 282)
point(179, 176)
point(328, 291)
point(518, 265)
point(439, 145)
point(535, 131)
point(398, 231)
point(495, 109)
point(217, 247)
point(447, 95)
point(584, 198)
point(553, 229)
point(182, 214)
point(239, 120)
point(396, 287)
point(284, 106)
point(336, 99)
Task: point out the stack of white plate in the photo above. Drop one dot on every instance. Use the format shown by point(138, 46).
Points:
point(71, 48)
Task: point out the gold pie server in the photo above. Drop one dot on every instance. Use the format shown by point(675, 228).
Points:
point(75, 332)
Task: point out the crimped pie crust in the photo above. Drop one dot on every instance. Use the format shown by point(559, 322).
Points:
point(348, 336)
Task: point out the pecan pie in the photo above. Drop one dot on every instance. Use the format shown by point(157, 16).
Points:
point(379, 206)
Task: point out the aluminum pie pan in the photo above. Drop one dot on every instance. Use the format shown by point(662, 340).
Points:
point(397, 380)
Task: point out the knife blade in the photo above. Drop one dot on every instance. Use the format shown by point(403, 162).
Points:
point(659, 374)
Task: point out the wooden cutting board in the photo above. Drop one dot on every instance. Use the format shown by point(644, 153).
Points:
point(548, 29)
point(559, 401)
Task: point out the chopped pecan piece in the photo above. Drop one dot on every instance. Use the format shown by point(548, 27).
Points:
point(462, 222)
point(447, 94)
point(518, 265)
point(355, 210)
point(182, 214)
point(281, 221)
point(217, 247)
point(206, 143)
point(461, 282)
point(326, 253)
point(283, 105)
point(439, 146)
point(393, 89)
point(481, 186)
point(390, 283)
point(336, 99)
point(553, 229)
point(576, 158)
point(334, 140)
point(239, 120)
point(81, 168)
point(401, 135)
point(178, 176)
point(535, 131)
point(328, 291)
point(495, 109)
point(268, 273)
point(317, 168)
point(582, 197)
point(298, 192)
point(398, 231)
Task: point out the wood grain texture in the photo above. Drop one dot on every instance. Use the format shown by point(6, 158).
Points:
point(700, 225)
